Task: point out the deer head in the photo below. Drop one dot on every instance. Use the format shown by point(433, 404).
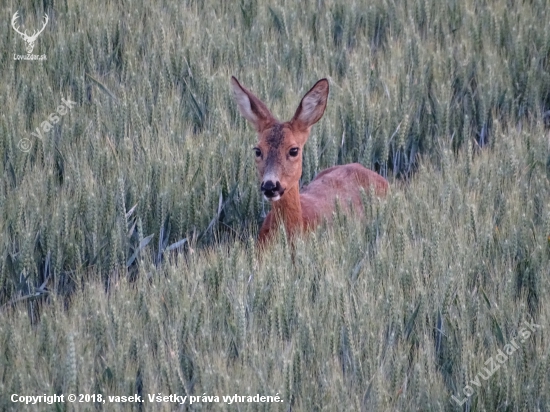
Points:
point(29, 39)
point(279, 148)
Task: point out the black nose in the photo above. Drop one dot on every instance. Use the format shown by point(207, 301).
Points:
point(271, 189)
point(269, 186)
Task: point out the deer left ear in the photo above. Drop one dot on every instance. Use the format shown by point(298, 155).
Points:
point(252, 108)
point(312, 106)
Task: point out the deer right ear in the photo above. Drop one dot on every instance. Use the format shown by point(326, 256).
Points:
point(312, 106)
point(252, 108)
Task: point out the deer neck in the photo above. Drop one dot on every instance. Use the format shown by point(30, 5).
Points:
point(288, 210)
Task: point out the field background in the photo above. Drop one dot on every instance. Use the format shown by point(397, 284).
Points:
point(127, 255)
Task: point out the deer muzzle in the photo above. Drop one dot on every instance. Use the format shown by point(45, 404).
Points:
point(272, 190)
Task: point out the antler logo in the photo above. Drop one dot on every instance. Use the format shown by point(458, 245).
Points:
point(29, 39)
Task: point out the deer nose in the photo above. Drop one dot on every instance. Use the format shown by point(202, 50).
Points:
point(271, 190)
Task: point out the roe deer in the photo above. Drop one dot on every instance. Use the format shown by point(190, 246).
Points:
point(279, 163)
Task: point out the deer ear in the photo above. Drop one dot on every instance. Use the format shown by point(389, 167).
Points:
point(252, 108)
point(312, 106)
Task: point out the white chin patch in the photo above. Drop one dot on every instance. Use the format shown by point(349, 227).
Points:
point(272, 199)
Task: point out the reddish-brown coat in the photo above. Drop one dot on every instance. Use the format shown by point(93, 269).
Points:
point(317, 200)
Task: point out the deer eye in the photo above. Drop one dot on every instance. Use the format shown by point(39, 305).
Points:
point(294, 151)
point(257, 151)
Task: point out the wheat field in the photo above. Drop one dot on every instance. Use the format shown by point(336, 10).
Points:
point(128, 218)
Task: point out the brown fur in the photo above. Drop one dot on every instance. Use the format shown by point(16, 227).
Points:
point(317, 200)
